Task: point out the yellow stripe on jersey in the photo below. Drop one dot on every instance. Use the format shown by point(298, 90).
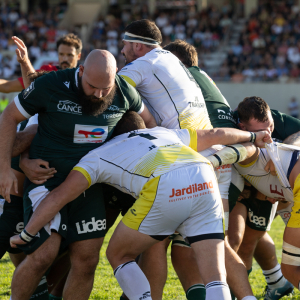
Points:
point(193, 139)
point(294, 221)
point(194, 119)
point(250, 164)
point(129, 80)
point(162, 158)
point(138, 212)
point(84, 173)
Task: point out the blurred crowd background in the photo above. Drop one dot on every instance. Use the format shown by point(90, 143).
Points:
point(264, 46)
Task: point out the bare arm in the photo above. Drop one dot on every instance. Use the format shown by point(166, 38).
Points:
point(23, 59)
point(23, 140)
point(9, 120)
point(148, 118)
point(10, 86)
point(227, 136)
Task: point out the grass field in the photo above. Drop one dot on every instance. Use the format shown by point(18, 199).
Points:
point(106, 286)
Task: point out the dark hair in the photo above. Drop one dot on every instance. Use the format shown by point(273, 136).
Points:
point(184, 51)
point(33, 76)
point(145, 28)
point(72, 40)
point(129, 122)
point(253, 107)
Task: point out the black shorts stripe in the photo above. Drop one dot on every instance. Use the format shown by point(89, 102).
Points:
point(202, 237)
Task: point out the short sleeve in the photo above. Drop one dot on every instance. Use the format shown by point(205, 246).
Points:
point(133, 72)
point(34, 98)
point(89, 167)
point(132, 95)
point(188, 137)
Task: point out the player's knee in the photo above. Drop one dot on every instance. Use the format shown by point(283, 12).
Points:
point(85, 262)
point(40, 261)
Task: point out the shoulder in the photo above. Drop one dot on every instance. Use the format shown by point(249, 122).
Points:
point(125, 88)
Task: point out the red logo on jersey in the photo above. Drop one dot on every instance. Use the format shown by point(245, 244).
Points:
point(275, 191)
point(193, 188)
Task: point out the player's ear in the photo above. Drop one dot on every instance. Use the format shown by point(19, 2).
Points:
point(81, 68)
point(79, 56)
point(242, 126)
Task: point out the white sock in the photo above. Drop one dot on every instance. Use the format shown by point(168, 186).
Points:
point(274, 277)
point(217, 290)
point(133, 281)
point(249, 298)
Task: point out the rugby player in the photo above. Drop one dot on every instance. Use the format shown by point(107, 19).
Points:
point(175, 99)
point(220, 115)
point(160, 151)
point(284, 186)
point(250, 217)
point(68, 48)
point(78, 110)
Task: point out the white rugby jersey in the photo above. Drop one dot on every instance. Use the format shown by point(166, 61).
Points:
point(168, 89)
point(264, 182)
point(130, 160)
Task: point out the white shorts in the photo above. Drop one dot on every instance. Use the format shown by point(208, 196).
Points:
point(186, 200)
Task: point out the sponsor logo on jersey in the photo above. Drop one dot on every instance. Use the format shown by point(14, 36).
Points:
point(145, 296)
point(275, 191)
point(69, 107)
point(91, 226)
point(67, 84)
point(89, 134)
point(260, 221)
point(133, 211)
point(196, 103)
point(113, 107)
point(193, 188)
point(19, 227)
point(112, 116)
point(28, 90)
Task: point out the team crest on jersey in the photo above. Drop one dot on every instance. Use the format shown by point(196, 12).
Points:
point(90, 134)
point(28, 90)
point(113, 107)
point(69, 107)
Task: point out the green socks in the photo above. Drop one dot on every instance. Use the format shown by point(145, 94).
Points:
point(196, 292)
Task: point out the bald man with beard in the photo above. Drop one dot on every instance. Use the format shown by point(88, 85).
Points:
point(78, 111)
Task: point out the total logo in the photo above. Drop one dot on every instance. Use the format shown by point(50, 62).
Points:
point(91, 226)
point(90, 134)
point(70, 107)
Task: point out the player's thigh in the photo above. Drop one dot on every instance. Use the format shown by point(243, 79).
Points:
point(126, 244)
point(237, 223)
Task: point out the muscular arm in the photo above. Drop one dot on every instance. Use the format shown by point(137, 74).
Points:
point(148, 118)
point(10, 86)
point(23, 140)
point(26, 68)
point(9, 120)
point(227, 136)
point(70, 189)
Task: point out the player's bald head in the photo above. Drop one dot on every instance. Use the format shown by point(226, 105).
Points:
point(100, 65)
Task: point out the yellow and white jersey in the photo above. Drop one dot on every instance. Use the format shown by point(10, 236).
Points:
point(269, 185)
point(130, 160)
point(169, 90)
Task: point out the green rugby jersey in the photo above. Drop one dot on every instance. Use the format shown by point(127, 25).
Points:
point(219, 111)
point(65, 134)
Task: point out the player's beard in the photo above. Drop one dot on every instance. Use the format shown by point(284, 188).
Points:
point(92, 105)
